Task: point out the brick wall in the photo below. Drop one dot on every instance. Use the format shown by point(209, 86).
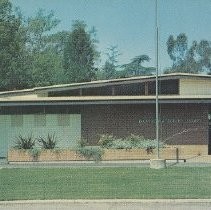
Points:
point(180, 123)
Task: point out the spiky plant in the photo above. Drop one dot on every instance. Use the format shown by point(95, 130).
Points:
point(49, 142)
point(24, 142)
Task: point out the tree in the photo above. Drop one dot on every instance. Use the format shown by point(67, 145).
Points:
point(195, 59)
point(94, 42)
point(44, 49)
point(109, 71)
point(38, 30)
point(79, 54)
point(109, 68)
point(113, 54)
point(177, 48)
point(203, 55)
point(57, 41)
point(12, 46)
point(135, 68)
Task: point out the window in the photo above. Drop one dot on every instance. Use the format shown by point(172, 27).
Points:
point(165, 87)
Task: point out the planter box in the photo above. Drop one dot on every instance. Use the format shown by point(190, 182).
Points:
point(139, 154)
point(19, 156)
point(45, 155)
point(171, 152)
point(192, 150)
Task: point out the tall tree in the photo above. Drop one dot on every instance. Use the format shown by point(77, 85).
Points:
point(79, 54)
point(193, 59)
point(109, 68)
point(44, 49)
point(135, 67)
point(39, 28)
point(203, 55)
point(177, 48)
point(12, 43)
point(94, 41)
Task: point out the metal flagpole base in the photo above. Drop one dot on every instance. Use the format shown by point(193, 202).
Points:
point(157, 163)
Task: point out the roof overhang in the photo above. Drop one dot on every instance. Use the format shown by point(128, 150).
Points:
point(46, 101)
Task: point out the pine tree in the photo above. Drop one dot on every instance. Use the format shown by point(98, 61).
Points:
point(79, 54)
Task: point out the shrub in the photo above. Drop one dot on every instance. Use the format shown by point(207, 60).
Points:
point(34, 153)
point(106, 140)
point(82, 143)
point(49, 142)
point(24, 142)
point(134, 140)
point(149, 143)
point(94, 153)
point(120, 144)
point(130, 142)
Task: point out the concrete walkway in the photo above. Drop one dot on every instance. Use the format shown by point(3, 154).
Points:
point(198, 161)
point(108, 205)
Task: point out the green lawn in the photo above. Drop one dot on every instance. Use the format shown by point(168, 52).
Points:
point(102, 183)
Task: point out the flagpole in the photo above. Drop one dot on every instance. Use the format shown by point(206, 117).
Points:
point(157, 91)
point(157, 163)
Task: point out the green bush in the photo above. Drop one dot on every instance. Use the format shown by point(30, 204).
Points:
point(49, 142)
point(147, 144)
point(24, 142)
point(35, 152)
point(106, 140)
point(94, 153)
point(130, 142)
point(134, 140)
point(120, 144)
point(82, 143)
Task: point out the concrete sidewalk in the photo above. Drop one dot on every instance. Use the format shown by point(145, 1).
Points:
point(126, 204)
point(198, 161)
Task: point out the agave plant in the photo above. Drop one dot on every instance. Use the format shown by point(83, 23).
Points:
point(49, 142)
point(24, 142)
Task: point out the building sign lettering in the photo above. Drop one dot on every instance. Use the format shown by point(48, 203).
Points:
point(169, 121)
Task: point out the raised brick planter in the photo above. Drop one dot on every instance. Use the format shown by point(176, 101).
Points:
point(183, 152)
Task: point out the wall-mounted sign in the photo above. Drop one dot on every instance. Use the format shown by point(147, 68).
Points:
point(169, 120)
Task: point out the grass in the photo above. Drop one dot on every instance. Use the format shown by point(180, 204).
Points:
point(104, 183)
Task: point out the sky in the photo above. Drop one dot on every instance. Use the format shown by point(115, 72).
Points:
point(131, 24)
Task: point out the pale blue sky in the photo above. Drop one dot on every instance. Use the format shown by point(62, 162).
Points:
point(130, 24)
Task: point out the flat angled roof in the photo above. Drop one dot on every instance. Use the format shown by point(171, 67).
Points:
point(101, 83)
point(26, 93)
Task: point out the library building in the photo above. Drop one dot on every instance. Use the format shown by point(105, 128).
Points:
point(118, 107)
